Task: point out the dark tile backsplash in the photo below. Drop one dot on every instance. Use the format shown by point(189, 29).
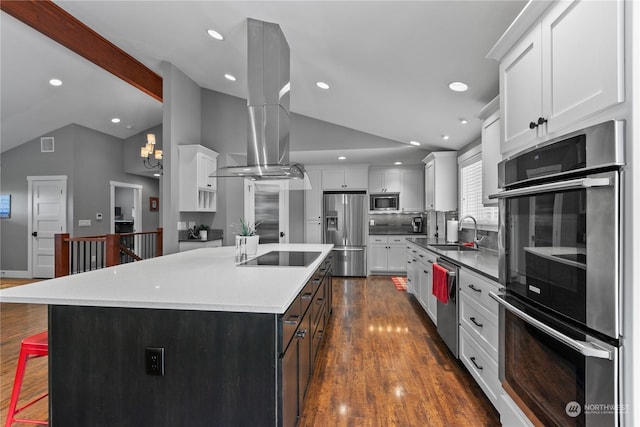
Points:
point(392, 223)
point(490, 240)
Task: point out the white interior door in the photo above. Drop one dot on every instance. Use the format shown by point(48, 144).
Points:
point(267, 204)
point(136, 211)
point(48, 216)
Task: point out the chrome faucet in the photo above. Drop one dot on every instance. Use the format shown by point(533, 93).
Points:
point(475, 230)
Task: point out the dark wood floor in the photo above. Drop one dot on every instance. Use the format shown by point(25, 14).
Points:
point(382, 364)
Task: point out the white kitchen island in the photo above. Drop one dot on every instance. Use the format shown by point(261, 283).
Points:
point(219, 325)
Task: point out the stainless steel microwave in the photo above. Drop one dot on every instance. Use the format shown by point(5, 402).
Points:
point(384, 202)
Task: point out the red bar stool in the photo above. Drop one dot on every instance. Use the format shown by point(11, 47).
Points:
point(31, 348)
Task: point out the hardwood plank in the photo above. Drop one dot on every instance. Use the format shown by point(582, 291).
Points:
point(383, 363)
point(57, 24)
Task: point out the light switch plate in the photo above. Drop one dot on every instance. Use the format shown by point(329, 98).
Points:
point(84, 223)
point(99, 216)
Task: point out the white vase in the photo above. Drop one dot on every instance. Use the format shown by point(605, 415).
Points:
point(247, 245)
point(252, 244)
point(203, 234)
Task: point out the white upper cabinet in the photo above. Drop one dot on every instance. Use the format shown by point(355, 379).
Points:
point(490, 116)
point(584, 65)
point(412, 190)
point(521, 91)
point(197, 189)
point(383, 180)
point(206, 165)
point(567, 67)
point(354, 177)
point(441, 181)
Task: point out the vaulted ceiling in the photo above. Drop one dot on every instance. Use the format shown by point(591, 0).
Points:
point(388, 63)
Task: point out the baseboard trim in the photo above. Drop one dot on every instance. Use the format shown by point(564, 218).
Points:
point(15, 274)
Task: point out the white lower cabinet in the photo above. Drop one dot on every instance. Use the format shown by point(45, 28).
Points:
point(387, 254)
point(479, 332)
point(428, 300)
point(483, 368)
point(419, 278)
point(412, 270)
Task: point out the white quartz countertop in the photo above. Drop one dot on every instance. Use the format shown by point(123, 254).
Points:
point(205, 279)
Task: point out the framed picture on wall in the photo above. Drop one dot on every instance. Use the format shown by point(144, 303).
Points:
point(154, 203)
point(5, 205)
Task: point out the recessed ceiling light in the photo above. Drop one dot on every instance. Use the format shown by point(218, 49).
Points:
point(416, 143)
point(216, 35)
point(397, 163)
point(445, 137)
point(464, 121)
point(458, 86)
point(115, 120)
point(342, 158)
point(322, 85)
point(55, 82)
point(230, 77)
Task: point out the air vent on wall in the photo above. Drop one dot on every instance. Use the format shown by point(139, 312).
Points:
point(46, 144)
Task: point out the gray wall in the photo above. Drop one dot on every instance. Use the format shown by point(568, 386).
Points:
point(181, 125)
point(90, 160)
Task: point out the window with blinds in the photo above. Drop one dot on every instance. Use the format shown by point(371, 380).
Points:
point(471, 192)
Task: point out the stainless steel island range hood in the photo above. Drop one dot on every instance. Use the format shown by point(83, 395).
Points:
point(268, 107)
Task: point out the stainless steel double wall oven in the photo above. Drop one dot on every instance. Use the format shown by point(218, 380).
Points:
point(560, 262)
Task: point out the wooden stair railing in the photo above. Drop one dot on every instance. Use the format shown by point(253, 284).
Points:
point(78, 254)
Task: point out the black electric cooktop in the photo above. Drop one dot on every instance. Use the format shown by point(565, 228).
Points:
point(282, 259)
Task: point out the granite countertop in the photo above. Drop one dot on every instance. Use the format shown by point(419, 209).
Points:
point(482, 261)
point(206, 279)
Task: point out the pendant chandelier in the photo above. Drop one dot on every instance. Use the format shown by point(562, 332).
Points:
point(151, 157)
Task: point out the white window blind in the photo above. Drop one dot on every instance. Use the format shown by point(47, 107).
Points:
point(471, 192)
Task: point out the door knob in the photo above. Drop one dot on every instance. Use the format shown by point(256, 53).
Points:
point(34, 234)
point(282, 234)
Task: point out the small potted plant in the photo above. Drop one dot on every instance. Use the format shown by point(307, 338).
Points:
point(203, 231)
point(247, 236)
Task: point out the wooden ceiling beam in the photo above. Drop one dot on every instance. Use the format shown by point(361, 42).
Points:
point(57, 24)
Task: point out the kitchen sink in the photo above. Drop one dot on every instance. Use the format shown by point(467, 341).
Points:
point(453, 247)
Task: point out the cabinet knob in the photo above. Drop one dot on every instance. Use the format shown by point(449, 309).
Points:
point(541, 121)
point(532, 125)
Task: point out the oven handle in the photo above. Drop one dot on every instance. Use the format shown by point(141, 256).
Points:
point(585, 348)
point(571, 184)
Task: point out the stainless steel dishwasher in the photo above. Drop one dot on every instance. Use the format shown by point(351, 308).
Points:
point(448, 313)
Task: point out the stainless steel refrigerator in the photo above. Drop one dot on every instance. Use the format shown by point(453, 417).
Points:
point(344, 220)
